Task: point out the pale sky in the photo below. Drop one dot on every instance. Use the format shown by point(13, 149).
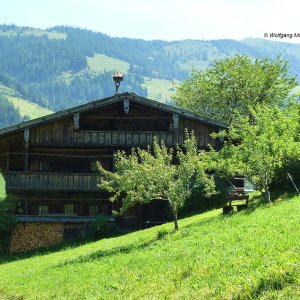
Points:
point(161, 19)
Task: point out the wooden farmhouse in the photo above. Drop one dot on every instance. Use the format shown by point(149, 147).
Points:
point(49, 163)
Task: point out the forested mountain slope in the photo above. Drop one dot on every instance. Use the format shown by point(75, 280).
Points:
point(62, 66)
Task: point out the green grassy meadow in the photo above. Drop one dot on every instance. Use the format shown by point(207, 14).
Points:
point(102, 63)
point(30, 109)
point(52, 34)
point(253, 254)
point(158, 89)
point(26, 107)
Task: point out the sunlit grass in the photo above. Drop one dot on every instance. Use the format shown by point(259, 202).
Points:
point(253, 254)
point(30, 109)
point(159, 89)
point(52, 34)
point(102, 63)
point(25, 31)
point(26, 107)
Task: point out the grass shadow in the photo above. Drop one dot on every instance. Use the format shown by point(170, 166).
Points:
point(4, 296)
point(203, 221)
point(107, 253)
point(258, 201)
point(273, 282)
point(7, 258)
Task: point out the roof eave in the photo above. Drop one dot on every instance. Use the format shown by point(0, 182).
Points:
point(107, 101)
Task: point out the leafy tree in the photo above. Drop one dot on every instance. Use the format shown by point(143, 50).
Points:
point(259, 148)
point(232, 85)
point(145, 175)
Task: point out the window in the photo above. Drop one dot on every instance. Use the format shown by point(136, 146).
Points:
point(44, 166)
point(43, 209)
point(37, 165)
point(94, 210)
point(69, 209)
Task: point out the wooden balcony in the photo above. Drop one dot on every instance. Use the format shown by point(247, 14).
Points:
point(52, 181)
point(104, 138)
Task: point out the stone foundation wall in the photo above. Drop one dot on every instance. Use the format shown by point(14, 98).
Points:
point(28, 236)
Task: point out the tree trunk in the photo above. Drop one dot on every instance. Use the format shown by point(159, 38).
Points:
point(175, 221)
point(174, 213)
point(268, 196)
point(267, 192)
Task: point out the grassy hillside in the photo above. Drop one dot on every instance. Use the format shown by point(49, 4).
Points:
point(30, 109)
point(25, 31)
point(102, 63)
point(158, 89)
point(248, 255)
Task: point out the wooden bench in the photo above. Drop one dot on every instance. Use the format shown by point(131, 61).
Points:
point(235, 197)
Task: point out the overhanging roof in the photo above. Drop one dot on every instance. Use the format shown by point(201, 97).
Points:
point(107, 101)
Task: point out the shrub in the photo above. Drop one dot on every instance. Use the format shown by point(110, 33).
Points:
point(7, 221)
point(161, 233)
point(198, 202)
point(282, 183)
point(101, 228)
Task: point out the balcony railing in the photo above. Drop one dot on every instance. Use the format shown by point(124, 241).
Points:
point(104, 138)
point(52, 181)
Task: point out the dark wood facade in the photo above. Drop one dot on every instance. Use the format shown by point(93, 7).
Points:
point(49, 164)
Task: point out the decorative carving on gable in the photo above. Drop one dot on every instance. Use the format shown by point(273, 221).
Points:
point(26, 135)
point(76, 121)
point(126, 105)
point(175, 120)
